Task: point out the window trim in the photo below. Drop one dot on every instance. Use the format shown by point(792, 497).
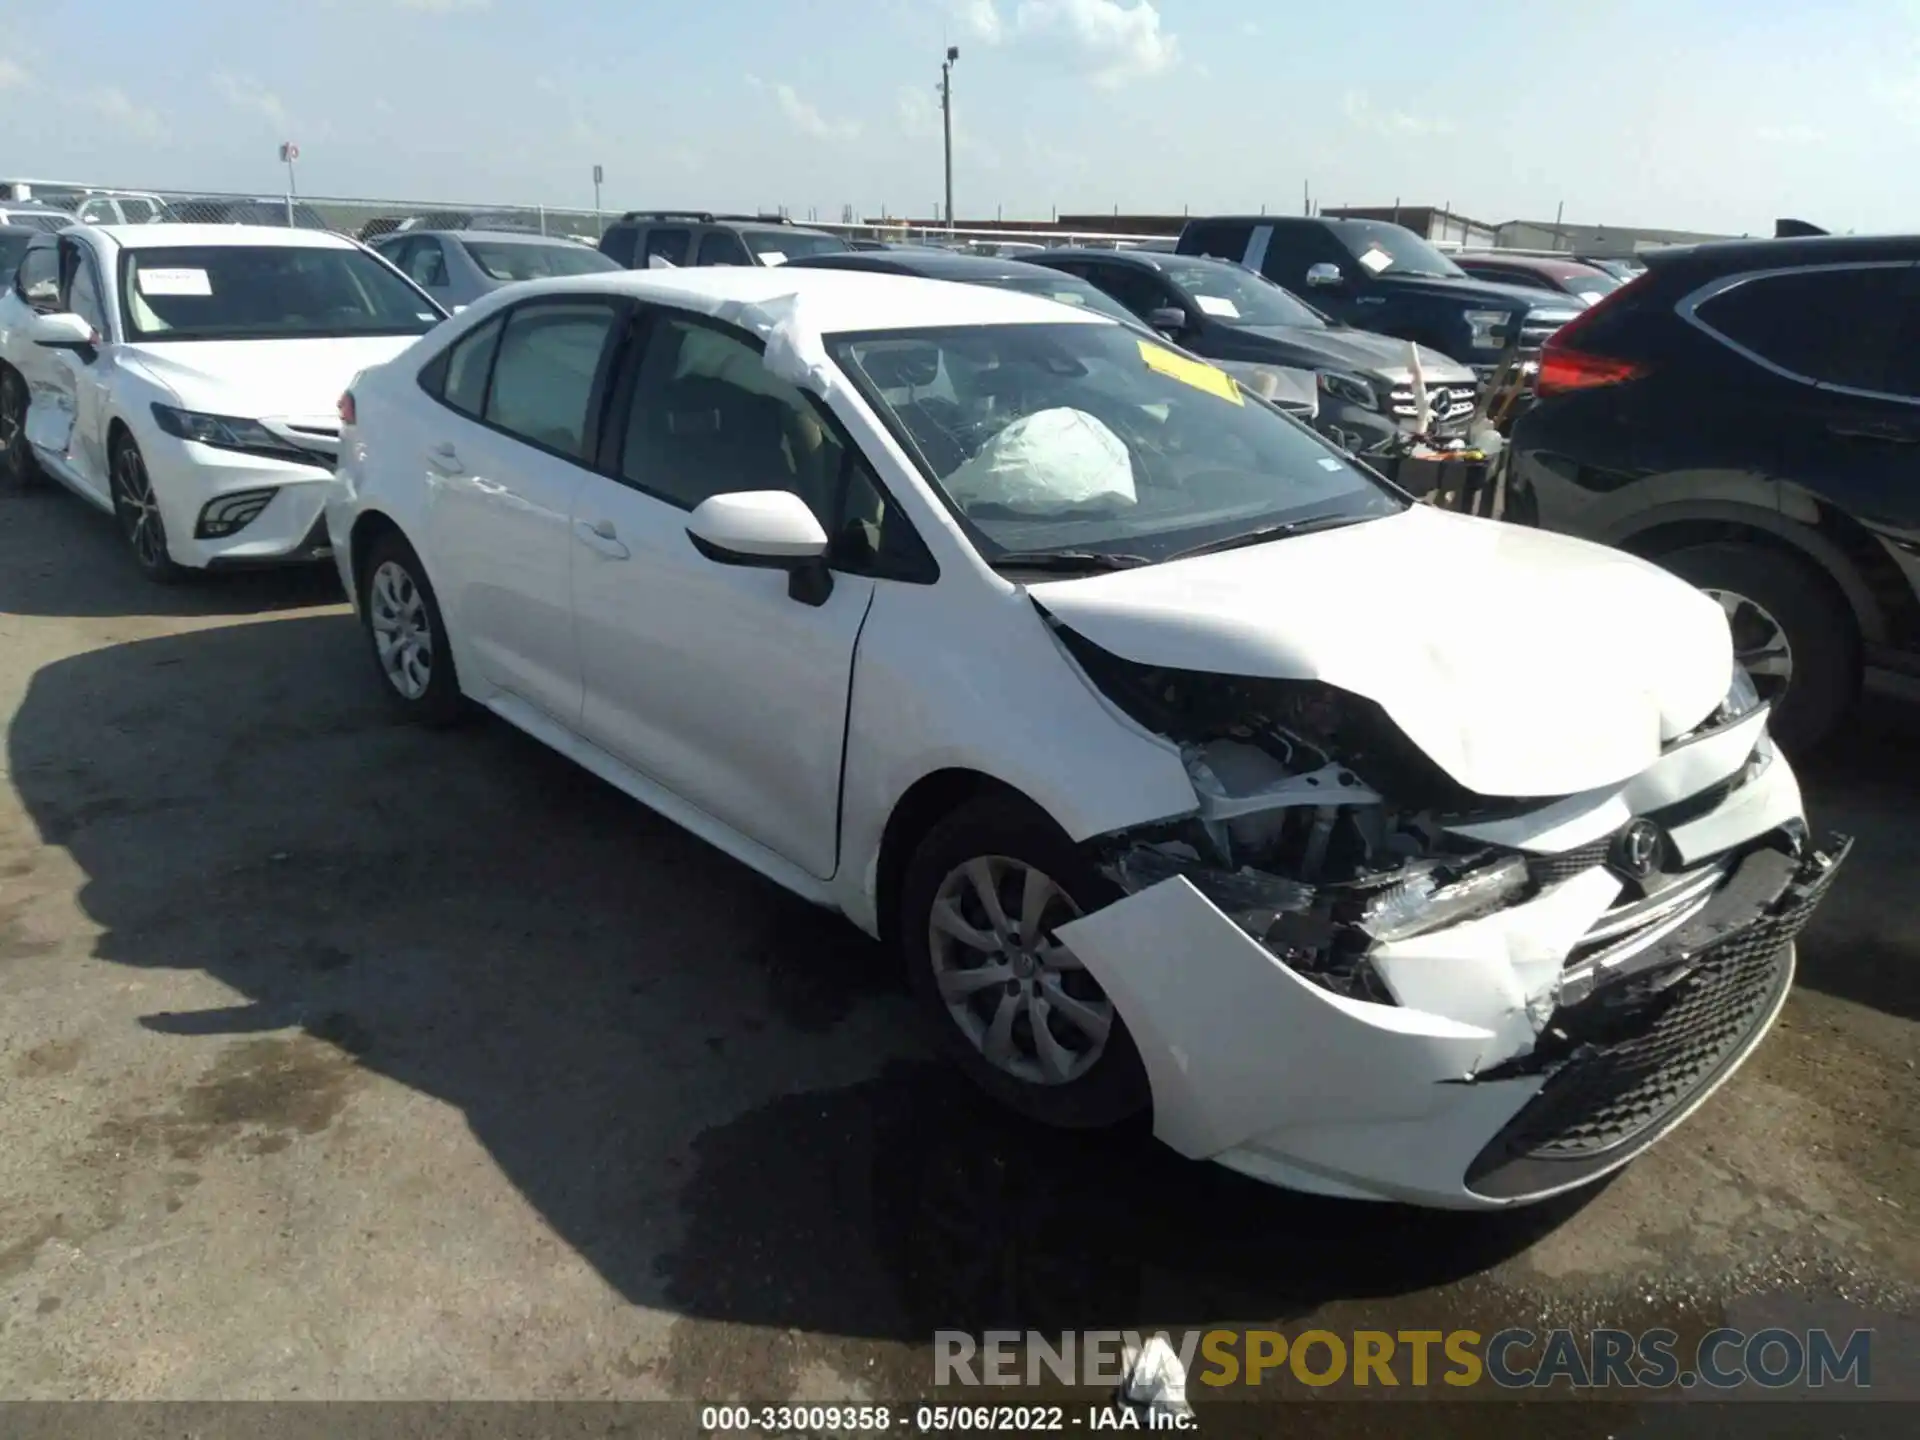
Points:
point(592, 438)
point(84, 256)
point(1689, 306)
point(922, 568)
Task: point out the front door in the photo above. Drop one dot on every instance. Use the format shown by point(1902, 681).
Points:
point(709, 678)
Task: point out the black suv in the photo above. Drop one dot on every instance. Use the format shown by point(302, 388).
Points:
point(1224, 312)
point(1747, 414)
point(640, 238)
point(1383, 277)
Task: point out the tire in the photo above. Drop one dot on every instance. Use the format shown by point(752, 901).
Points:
point(1822, 642)
point(138, 514)
point(18, 469)
point(1099, 1083)
point(407, 636)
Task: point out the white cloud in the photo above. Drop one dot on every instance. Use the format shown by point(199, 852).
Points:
point(444, 7)
point(13, 74)
point(1789, 134)
point(247, 94)
point(1110, 41)
point(129, 118)
point(803, 115)
point(1395, 124)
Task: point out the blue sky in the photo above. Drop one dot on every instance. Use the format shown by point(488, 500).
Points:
point(1703, 114)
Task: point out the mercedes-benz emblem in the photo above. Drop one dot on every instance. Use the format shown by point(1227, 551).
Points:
point(1636, 853)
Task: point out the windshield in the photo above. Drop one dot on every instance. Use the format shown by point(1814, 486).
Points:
point(1086, 437)
point(534, 260)
point(1239, 297)
point(1068, 290)
point(776, 247)
point(1383, 247)
point(266, 292)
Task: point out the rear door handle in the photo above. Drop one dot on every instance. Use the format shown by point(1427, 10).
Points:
point(1884, 432)
point(600, 537)
point(446, 460)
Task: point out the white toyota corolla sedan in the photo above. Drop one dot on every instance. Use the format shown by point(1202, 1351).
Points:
point(1375, 850)
point(185, 378)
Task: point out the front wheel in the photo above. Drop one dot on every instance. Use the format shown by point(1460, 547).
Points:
point(138, 512)
point(18, 469)
point(1790, 629)
point(1016, 1009)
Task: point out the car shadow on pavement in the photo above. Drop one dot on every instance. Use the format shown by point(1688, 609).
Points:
point(59, 556)
point(713, 1092)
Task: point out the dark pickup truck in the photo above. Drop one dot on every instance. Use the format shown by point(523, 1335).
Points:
point(1383, 277)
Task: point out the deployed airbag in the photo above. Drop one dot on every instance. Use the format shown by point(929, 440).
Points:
point(1050, 461)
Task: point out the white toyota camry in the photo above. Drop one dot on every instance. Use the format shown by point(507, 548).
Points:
point(185, 378)
point(1377, 851)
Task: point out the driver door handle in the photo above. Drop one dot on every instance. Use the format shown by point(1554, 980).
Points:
point(600, 537)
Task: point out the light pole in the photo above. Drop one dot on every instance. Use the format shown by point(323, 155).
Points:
point(289, 152)
point(946, 122)
point(598, 175)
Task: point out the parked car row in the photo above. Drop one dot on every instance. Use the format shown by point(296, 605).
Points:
point(1025, 639)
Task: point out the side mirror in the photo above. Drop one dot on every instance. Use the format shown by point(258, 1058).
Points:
point(1168, 319)
point(769, 530)
point(1323, 275)
point(62, 330)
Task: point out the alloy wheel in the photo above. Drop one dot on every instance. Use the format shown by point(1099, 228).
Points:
point(1020, 997)
point(139, 511)
point(1760, 643)
point(402, 630)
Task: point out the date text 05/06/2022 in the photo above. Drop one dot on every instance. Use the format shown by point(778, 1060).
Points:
point(797, 1420)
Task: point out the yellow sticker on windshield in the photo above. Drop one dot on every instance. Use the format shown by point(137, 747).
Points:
point(1190, 372)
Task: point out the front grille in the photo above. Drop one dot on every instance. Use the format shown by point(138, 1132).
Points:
point(1451, 404)
point(1548, 870)
point(1647, 1062)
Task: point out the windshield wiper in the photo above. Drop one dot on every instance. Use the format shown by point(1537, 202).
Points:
point(1066, 560)
point(1273, 532)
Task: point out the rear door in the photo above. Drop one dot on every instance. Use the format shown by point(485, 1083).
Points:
point(517, 425)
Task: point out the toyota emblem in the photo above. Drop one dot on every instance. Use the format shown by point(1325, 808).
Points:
point(1637, 852)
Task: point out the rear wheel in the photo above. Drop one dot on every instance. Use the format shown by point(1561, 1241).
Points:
point(18, 469)
point(981, 899)
point(1791, 631)
point(138, 512)
point(407, 634)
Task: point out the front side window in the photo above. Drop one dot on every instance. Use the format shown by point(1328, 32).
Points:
point(723, 247)
point(265, 292)
point(544, 372)
point(426, 263)
point(666, 246)
point(1136, 289)
point(1236, 296)
point(1830, 325)
point(617, 244)
point(534, 259)
point(1065, 289)
point(83, 292)
point(1087, 437)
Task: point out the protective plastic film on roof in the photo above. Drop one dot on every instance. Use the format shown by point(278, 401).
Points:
point(1052, 460)
point(794, 350)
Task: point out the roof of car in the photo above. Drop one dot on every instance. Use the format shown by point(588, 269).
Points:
point(511, 237)
point(164, 235)
point(1140, 259)
point(929, 263)
point(1561, 269)
point(826, 301)
point(1800, 250)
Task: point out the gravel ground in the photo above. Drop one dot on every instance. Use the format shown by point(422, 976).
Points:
point(342, 1060)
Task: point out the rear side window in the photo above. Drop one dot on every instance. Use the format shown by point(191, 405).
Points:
point(667, 245)
point(1224, 239)
point(617, 244)
point(1835, 326)
point(722, 247)
point(467, 367)
point(543, 375)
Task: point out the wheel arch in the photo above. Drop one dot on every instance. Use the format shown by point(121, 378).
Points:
point(369, 526)
point(925, 803)
point(1659, 532)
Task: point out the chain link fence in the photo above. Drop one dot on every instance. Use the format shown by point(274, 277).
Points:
point(366, 219)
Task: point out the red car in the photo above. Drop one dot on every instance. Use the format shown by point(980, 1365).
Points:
point(1538, 272)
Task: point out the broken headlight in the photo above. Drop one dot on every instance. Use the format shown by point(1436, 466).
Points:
point(1742, 697)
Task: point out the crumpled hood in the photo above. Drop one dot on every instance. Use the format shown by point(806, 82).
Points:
point(1361, 351)
point(264, 379)
point(1523, 663)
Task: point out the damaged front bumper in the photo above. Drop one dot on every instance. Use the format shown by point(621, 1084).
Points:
point(1517, 1054)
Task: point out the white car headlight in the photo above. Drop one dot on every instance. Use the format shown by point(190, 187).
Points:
point(228, 432)
point(1351, 388)
point(1484, 323)
point(1742, 697)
